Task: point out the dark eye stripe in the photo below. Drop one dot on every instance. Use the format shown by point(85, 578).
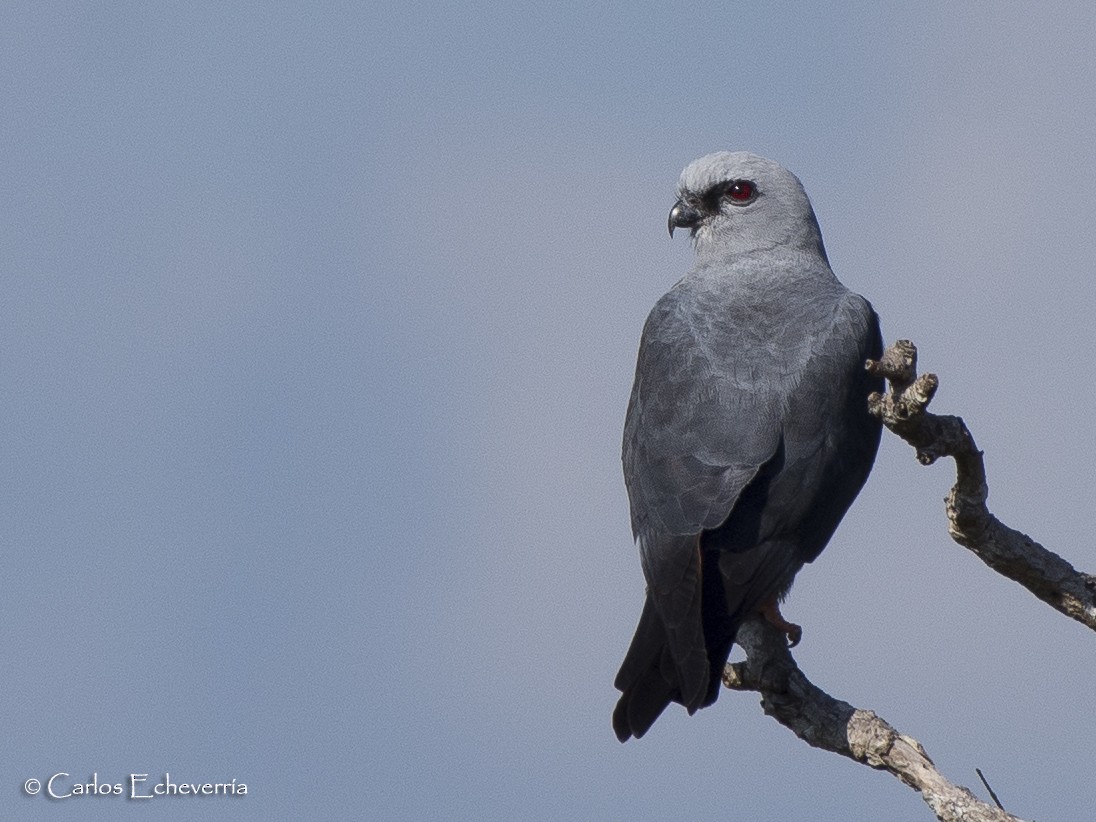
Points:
point(739, 192)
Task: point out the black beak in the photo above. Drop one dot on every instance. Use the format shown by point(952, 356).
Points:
point(682, 215)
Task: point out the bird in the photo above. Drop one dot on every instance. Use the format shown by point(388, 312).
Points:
point(747, 435)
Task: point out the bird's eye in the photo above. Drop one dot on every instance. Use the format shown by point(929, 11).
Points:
point(740, 192)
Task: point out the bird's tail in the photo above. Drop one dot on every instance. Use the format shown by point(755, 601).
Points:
point(647, 678)
point(650, 678)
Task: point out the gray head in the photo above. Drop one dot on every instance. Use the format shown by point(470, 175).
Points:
point(734, 202)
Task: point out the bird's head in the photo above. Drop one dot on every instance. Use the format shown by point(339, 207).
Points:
point(737, 202)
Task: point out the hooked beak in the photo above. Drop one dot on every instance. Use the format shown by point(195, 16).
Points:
point(682, 215)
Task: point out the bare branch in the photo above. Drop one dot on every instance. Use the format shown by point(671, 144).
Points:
point(1015, 555)
point(992, 793)
point(824, 722)
point(830, 724)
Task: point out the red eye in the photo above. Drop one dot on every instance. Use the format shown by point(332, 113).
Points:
point(740, 191)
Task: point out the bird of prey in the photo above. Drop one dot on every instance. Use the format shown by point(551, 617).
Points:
point(747, 435)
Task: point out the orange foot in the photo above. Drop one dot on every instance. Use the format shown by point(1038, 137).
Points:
point(771, 611)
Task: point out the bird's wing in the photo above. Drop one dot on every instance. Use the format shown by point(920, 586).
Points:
point(697, 431)
point(831, 438)
point(701, 421)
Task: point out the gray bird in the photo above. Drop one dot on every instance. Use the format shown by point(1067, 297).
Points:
point(747, 435)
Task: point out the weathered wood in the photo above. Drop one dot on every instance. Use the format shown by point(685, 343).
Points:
point(903, 410)
point(830, 724)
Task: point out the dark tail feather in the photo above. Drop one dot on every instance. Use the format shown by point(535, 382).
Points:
point(649, 680)
point(646, 679)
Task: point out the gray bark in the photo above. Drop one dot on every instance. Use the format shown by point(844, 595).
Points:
point(824, 722)
point(832, 725)
point(1009, 552)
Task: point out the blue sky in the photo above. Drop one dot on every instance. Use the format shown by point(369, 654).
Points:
point(317, 332)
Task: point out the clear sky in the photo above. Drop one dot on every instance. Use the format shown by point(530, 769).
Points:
point(317, 327)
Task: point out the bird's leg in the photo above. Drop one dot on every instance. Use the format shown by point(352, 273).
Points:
point(770, 609)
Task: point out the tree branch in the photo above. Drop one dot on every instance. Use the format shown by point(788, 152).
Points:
point(1010, 553)
point(824, 722)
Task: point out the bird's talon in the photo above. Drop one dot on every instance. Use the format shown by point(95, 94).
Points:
point(795, 633)
point(770, 610)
